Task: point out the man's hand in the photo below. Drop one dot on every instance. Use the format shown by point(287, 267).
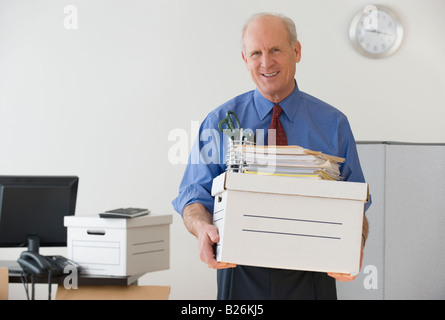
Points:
point(199, 222)
point(207, 238)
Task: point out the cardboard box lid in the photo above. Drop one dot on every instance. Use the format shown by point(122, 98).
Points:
point(95, 221)
point(290, 186)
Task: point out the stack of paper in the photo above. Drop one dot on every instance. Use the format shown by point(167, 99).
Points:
point(290, 161)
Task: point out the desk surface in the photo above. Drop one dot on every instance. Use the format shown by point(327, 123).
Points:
point(15, 274)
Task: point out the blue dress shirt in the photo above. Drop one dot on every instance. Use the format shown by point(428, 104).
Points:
point(308, 122)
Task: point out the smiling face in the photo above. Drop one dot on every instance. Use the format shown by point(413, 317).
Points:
point(270, 58)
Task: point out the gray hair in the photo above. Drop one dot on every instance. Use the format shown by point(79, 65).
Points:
point(288, 23)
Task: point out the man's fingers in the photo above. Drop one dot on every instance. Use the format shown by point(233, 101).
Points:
point(208, 253)
point(213, 234)
point(208, 242)
point(341, 276)
point(209, 258)
point(221, 265)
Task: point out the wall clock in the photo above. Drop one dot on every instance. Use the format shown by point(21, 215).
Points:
point(376, 31)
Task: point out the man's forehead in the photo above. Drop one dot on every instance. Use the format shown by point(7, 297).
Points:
point(269, 31)
point(264, 24)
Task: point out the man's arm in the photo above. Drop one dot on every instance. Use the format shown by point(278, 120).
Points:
point(198, 222)
point(346, 276)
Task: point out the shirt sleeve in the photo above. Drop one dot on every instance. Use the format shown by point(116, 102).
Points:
point(204, 164)
point(351, 169)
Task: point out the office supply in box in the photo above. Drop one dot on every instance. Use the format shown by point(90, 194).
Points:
point(289, 223)
point(119, 247)
point(237, 136)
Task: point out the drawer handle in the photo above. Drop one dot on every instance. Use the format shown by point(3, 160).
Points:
point(96, 232)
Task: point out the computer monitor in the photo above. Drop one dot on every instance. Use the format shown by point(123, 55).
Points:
point(32, 210)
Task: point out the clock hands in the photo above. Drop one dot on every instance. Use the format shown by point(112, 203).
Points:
point(379, 32)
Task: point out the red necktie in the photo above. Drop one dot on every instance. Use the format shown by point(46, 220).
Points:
point(281, 139)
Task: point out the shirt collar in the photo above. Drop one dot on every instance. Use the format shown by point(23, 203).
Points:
point(289, 104)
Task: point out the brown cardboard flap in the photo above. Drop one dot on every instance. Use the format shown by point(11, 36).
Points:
point(114, 293)
point(4, 282)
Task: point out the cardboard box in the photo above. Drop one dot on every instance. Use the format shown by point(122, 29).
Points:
point(4, 282)
point(289, 223)
point(119, 247)
point(114, 293)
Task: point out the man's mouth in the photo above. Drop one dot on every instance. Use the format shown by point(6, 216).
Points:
point(269, 75)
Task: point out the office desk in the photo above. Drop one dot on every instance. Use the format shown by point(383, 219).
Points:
point(15, 276)
point(91, 287)
point(3, 284)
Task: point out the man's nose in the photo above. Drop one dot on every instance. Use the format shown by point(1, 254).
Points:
point(266, 60)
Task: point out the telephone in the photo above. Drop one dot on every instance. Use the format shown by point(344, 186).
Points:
point(35, 264)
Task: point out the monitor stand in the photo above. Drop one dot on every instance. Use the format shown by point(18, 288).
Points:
point(33, 243)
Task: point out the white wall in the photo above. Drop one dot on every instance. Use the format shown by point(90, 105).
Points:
point(100, 101)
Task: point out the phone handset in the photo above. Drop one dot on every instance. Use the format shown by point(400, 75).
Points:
point(33, 263)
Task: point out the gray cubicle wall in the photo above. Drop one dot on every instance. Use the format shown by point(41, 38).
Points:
point(404, 255)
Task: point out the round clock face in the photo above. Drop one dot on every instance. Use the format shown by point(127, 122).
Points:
point(376, 32)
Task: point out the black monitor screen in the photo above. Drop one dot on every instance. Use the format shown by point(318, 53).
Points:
point(35, 206)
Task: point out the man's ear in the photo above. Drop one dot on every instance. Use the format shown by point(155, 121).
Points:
point(245, 60)
point(297, 50)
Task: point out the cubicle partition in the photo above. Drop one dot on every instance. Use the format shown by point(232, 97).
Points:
point(404, 255)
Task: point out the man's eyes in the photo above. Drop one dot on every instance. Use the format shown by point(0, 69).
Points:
point(257, 53)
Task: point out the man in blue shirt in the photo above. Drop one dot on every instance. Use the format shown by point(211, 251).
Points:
point(270, 52)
